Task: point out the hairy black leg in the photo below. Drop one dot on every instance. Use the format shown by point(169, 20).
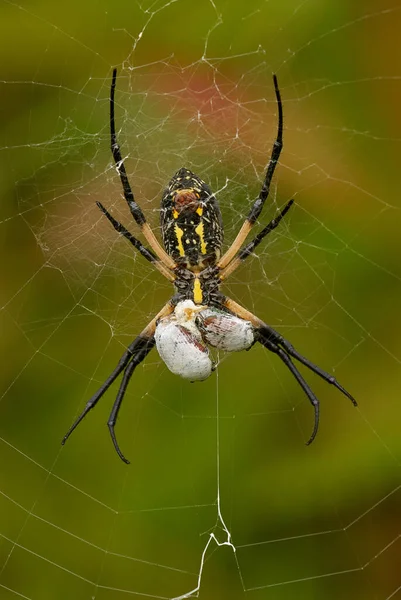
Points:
point(268, 333)
point(275, 155)
point(122, 363)
point(273, 341)
point(140, 347)
point(135, 209)
point(148, 254)
point(287, 361)
point(136, 360)
point(264, 192)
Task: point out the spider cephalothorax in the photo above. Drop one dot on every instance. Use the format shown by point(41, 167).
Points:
point(198, 315)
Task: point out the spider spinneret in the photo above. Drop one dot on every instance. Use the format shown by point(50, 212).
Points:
point(198, 315)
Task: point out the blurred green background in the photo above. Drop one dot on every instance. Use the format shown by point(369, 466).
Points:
point(195, 90)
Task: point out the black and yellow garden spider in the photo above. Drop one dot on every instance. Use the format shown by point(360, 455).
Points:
point(198, 315)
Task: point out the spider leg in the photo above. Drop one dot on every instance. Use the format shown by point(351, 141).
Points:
point(264, 192)
point(249, 248)
point(275, 342)
point(269, 333)
point(135, 209)
point(148, 254)
point(122, 363)
point(140, 347)
point(135, 361)
point(288, 362)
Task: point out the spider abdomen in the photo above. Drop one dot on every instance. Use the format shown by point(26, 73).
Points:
point(191, 222)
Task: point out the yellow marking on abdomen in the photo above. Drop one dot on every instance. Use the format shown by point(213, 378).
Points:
point(175, 214)
point(178, 234)
point(200, 230)
point(198, 296)
point(199, 210)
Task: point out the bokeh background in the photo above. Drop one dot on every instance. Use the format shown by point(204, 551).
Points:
point(227, 455)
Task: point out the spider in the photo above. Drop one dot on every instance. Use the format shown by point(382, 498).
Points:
point(198, 315)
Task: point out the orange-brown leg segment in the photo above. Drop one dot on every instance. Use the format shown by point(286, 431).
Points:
point(273, 341)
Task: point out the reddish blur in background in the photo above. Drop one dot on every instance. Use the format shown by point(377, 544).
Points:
point(195, 89)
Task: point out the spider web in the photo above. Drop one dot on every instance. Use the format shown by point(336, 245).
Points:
point(222, 498)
